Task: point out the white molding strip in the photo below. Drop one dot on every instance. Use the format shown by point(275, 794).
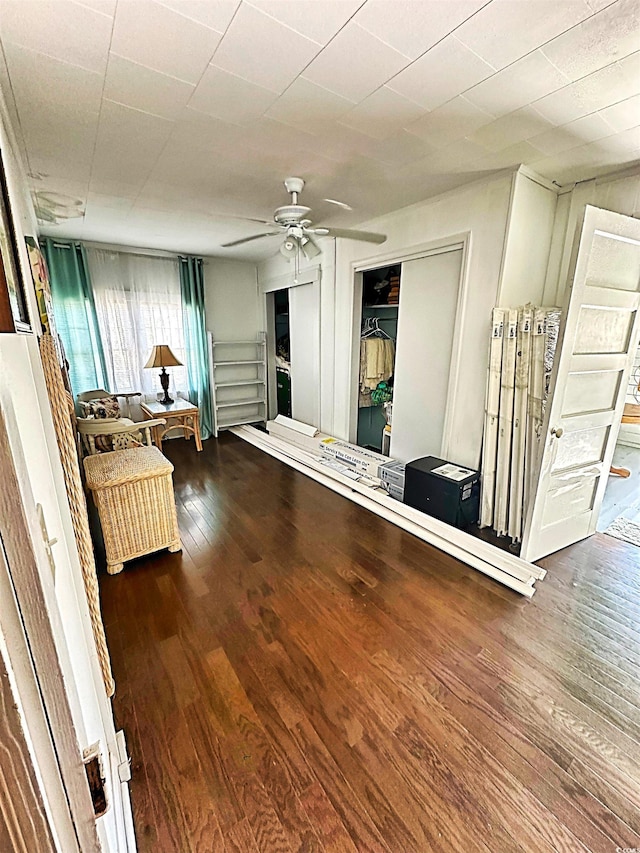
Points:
point(308, 275)
point(497, 564)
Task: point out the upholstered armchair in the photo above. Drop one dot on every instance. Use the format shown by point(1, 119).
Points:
point(102, 428)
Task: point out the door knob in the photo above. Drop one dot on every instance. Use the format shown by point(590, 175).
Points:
point(558, 432)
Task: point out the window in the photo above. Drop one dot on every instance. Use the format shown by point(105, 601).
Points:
point(139, 305)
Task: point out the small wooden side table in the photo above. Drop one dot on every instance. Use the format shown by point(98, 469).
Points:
point(183, 414)
point(631, 415)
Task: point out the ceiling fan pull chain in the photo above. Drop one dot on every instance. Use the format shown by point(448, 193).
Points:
point(296, 264)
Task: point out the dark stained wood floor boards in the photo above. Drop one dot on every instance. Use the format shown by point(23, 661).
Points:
point(307, 677)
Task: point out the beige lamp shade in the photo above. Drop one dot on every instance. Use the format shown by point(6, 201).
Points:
point(161, 356)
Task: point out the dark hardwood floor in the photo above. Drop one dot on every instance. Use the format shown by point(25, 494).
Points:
point(307, 677)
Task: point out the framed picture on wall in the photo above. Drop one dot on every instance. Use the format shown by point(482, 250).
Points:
point(14, 316)
point(40, 275)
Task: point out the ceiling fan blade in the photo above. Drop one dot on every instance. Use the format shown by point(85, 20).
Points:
point(246, 218)
point(341, 204)
point(249, 239)
point(365, 236)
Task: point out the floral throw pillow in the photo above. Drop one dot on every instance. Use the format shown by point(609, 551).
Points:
point(106, 407)
point(107, 443)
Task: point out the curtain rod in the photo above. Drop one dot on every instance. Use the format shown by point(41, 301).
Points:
point(135, 250)
point(114, 247)
point(132, 250)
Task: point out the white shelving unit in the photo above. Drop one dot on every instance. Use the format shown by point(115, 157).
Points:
point(238, 382)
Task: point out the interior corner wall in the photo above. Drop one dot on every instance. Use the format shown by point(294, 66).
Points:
point(619, 192)
point(232, 306)
point(528, 242)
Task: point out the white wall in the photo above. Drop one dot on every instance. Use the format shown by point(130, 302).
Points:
point(233, 309)
point(528, 243)
point(233, 313)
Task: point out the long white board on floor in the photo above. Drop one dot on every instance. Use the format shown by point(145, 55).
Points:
point(499, 565)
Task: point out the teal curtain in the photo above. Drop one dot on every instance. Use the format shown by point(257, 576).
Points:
point(195, 339)
point(75, 313)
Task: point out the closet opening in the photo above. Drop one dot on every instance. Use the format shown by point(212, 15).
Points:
point(408, 376)
point(407, 344)
point(283, 352)
point(379, 331)
point(292, 320)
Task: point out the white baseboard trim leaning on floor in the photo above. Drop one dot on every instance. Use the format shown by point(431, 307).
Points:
point(500, 565)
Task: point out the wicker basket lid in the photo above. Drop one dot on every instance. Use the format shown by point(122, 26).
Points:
point(125, 466)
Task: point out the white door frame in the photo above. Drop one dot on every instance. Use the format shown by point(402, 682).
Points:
point(385, 259)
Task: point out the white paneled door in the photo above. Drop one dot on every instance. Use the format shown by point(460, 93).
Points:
point(600, 332)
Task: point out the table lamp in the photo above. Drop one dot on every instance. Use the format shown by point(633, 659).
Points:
point(161, 356)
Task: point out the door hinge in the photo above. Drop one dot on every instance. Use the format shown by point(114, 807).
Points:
point(48, 543)
point(124, 761)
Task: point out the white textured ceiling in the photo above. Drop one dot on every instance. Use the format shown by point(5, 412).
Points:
point(168, 119)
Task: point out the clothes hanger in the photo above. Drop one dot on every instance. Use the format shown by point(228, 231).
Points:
point(371, 332)
point(378, 331)
point(371, 329)
point(368, 328)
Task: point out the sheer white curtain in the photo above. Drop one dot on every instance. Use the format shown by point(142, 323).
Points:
point(139, 305)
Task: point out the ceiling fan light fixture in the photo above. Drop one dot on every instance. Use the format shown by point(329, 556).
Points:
point(309, 248)
point(289, 248)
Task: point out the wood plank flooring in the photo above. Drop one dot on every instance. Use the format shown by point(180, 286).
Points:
point(307, 677)
point(622, 495)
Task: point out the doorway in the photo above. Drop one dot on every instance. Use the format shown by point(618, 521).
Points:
point(379, 332)
point(620, 510)
point(292, 313)
point(283, 351)
point(592, 368)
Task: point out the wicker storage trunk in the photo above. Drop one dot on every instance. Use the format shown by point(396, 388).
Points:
point(133, 490)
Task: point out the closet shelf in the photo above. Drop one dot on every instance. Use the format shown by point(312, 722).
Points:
point(385, 305)
point(253, 419)
point(243, 361)
point(246, 401)
point(240, 382)
point(237, 343)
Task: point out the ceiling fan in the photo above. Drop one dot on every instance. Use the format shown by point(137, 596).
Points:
point(291, 220)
